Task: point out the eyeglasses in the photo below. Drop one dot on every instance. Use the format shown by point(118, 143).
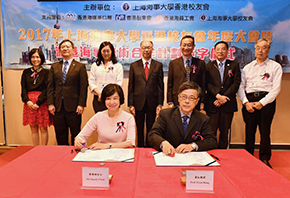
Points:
point(145, 48)
point(187, 45)
point(65, 46)
point(264, 47)
point(185, 97)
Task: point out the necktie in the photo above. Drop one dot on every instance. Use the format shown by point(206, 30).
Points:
point(64, 71)
point(221, 69)
point(146, 69)
point(187, 69)
point(184, 123)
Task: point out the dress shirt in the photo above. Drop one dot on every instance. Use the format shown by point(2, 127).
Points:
point(67, 67)
point(224, 63)
point(185, 60)
point(254, 80)
point(100, 77)
point(144, 62)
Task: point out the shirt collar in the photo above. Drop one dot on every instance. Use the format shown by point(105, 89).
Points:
point(69, 61)
point(183, 114)
point(264, 63)
point(185, 59)
point(144, 61)
point(223, 62)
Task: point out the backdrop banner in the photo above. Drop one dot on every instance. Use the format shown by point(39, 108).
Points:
point(43, 24)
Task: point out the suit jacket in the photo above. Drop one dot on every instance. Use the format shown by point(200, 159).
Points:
point(73, 91)
point(229, 88)
point(140, 89)
point(169, 127)
point(177, 75)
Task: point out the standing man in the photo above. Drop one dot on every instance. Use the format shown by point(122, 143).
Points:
point(145, 90)
point(223, 79)
point(185, 68)
point(182, 128)
point(261, 83)
point(67, 93)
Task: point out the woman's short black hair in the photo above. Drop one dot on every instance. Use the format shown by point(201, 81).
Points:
point(109, 90)
point(100, 57)
point(40, 53)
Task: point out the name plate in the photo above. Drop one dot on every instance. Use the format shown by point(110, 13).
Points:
point(199, 181)
point(95, 178)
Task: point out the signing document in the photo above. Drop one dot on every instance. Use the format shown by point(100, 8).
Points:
point(185, 159)
point(105, 155)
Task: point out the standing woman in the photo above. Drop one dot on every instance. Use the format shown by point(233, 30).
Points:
point(106, 70)
point(33, 94)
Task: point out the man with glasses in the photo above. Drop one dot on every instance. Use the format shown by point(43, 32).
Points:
point(185, 68)
point(183, 129)
point(260, 85)
point(67, 93)
point(145, 90)
point(223, 79)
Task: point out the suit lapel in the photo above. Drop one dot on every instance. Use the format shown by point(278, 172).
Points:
point(141, 69)
point(191, 124)
point(150, 69)
point(181, 65)
point(177, 120)
point(70, 70)
point(217, 71)
point(227, 68)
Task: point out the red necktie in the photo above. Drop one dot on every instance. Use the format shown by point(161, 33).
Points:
point(146, 69)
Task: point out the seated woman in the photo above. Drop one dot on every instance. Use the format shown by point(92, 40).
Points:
point(115, 127)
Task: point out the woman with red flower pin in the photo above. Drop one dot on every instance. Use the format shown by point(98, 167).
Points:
point(33, 94)
point(116, 128)
point(104, 71)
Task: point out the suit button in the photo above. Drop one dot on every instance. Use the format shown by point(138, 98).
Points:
point(222, 87)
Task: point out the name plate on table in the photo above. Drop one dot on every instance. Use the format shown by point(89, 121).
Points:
point(95, 178)
point(199, 181)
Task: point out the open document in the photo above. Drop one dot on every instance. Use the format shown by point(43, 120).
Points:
point(185, 159)
point(106, 155)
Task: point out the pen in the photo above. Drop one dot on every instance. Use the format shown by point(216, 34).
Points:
point(215, 157)
point(210, 163)
point(125, 160)
point(156, 152)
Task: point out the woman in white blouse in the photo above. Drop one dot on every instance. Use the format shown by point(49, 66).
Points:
point(104, 71)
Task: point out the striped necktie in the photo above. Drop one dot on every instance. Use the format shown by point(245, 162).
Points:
point(64, 71)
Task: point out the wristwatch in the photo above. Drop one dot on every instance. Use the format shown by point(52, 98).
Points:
point(193, 145)
point(110, 145)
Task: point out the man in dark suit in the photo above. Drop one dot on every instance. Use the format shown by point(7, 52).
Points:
point(67, 93)
point(183, 129)
point(145, 90)
point(223, 79)
point(185, 68)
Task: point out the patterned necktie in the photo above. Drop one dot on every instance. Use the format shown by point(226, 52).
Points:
point(184, 123)
point(64, 71)
point(187, 69)
point(221, 69)
point(146, 69)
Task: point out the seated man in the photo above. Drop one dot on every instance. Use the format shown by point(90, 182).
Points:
point(182, 127)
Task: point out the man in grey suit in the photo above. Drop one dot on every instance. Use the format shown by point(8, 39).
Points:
point(182, 128)
point(67, 93)
point(145, 90)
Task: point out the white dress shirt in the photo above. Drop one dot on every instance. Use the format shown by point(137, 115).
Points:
point(265, 77)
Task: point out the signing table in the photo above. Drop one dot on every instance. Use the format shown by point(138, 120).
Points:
point(48, 171)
